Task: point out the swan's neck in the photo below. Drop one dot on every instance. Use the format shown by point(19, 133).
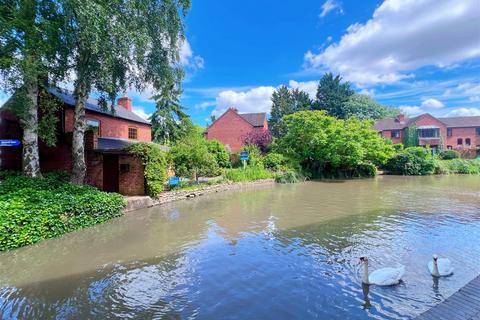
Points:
point(435, 268)
point(365, 273)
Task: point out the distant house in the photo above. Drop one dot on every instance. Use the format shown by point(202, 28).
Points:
point(457, 133)
point(109, 166)
point(232, 127)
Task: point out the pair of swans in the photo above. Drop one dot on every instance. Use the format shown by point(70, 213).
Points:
point(438, 267)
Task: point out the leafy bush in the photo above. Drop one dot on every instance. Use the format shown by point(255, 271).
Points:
point(449, 154)
point(191, 158)
point(155, 165)
point(288, 177)
point(413, 161)
point(248, 174)
point(255, 158)
point(219, 152)
point(327, 147)
point(34, 209)
point(457, 166)
point(275, 161)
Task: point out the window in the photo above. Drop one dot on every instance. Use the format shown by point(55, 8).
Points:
point(459, 141)
point(428, 133)
point(468, 142)
point(477, 130)
point(449, 132)
point(449, 147)
point(132, 133)
point(93, 125)
point(395, 133)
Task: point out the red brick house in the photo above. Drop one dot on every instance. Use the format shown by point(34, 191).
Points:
point(109, 167)
point(232, 127)
point(457, 133)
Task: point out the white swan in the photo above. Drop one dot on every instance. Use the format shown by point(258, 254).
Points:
point(381, 277)
point(440, 267)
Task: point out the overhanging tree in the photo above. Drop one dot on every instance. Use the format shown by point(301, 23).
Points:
point(118, 45)
point(32, 54)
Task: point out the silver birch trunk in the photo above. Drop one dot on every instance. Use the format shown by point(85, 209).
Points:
point(29, 122)
point(79, 167)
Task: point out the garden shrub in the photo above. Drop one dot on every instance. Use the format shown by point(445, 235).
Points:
point(275, 161)
point(449, 154)
point(289, 177)
point(155, 165)
point(248, 174)
point(34, 209)
point(413, 161)
point(219, 152)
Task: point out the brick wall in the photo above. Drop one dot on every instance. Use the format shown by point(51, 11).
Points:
point(131, 183)
point(229, 129)
point(10, 157)
point(387, 134)
point(111, 126)
point(463, 133)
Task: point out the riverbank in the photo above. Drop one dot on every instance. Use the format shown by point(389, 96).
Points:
point(141, 202)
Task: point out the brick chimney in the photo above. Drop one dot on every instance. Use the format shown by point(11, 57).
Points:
point(401, 118)
point(91, 140)
point(125, 102)
point(234, 109)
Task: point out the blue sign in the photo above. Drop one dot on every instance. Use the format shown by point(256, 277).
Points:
point(174, 181)
point(9, 143)
point(244, 156)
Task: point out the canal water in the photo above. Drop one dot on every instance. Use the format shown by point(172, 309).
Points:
point(269, 252)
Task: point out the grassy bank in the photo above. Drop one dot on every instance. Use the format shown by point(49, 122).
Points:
point(457, 166)
point(32, 210)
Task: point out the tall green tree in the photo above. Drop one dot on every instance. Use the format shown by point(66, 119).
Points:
point(119, 44)
point(285, 102)
point(365, 108)
point(32, 54)
point(170, 122)
point(332, 95)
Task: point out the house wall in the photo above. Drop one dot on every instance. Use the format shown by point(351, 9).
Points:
point(230, 129)
point(463, 133)
point(10, 157)
point(131, 183)
point(110, 126)
point(387, 134)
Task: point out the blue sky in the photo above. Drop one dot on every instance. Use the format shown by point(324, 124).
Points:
point(419, 55)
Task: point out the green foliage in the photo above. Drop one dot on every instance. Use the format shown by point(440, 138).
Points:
point(191, 158)
point(449, 154)
point(410, 138)
point(332, 95)
point(155, 165)
point(285, 102)
point(326, 147)
point(457, 166)
point(248, 174)
point(255, 158)
point(288, 177)
point(413, 161)
point(219, 152)
point(365, 108)
point(170, 123)
point(275, 161)
point(34, 209)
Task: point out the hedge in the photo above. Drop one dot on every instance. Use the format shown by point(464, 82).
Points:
point(34, 209)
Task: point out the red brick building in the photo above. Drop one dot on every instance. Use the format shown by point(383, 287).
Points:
point(457, 133)
point(232, 127)
point(109, 167)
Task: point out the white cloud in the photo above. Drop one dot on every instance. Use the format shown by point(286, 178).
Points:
point(188, 59)
point(368, 92)
point(253, 100)
point(309, 87)
point(432, 104)
point(205, 105)
point(469, 89)
point(403, 35)
point(411, 110)
point(139, 111)
point(464, 112)
point(329, 6)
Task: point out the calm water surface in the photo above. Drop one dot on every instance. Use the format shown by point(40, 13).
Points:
point(272, 252)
